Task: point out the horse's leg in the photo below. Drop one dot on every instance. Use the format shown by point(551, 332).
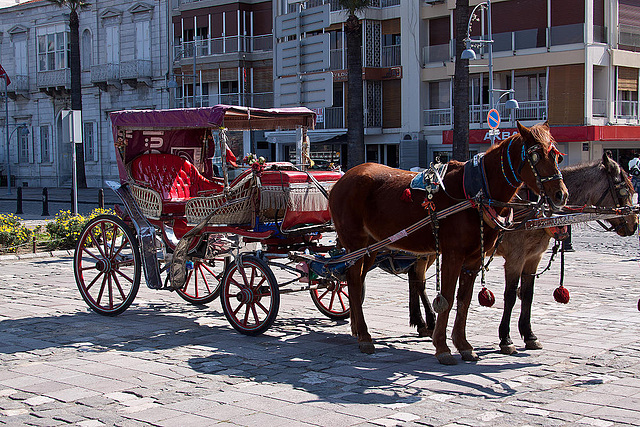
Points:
point(512, 272)
point(465, 292)
point(416, 294)
point(451, 265)
point(355, 280)
point(526, 294)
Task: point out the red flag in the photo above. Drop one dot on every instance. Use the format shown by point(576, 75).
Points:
point(230, 157)
point(4, 75)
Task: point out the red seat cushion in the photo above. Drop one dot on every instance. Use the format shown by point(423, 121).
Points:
point(176, 179)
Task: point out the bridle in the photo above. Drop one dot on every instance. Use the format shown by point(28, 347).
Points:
point(533, 156)
point(619, 190)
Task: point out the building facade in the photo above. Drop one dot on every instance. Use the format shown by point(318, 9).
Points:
point(123, 48)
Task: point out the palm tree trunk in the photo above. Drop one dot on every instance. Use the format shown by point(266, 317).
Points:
point(76, 89)
point(461, 86)
point(355, 109)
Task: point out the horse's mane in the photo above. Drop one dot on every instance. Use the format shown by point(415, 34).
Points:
point(539, 132)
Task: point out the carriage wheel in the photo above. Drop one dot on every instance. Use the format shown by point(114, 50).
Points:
point(107, 265)
point(333, 301)
point(203, 281)
point(250, 296)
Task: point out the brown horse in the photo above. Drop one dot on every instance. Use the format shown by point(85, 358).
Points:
point(366, 206)
point(599, 183)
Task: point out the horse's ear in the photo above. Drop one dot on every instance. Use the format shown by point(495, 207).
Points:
point(525, 133)
point(546, 124)
point(608, 162)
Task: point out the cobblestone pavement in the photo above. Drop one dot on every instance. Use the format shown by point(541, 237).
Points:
point(165, 362)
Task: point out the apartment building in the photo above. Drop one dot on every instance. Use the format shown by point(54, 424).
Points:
point(124, 51)
point(572, 62)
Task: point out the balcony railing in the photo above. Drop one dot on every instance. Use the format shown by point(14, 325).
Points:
point(566, 34)
point(134, 70)
point(436, 53)
point(627, 109)
point(54, 78)
point(19, 83)
point(222, 45)
point(391, 55)
point(599, 108)
point(629, 37)
point(529, 110)
point(257, 100)
point(105, 73)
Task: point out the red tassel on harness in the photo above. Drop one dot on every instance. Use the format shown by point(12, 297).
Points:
point(561, 294)
point(406, 195)
point(486, 298)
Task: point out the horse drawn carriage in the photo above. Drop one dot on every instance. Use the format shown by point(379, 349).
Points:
point(204, 235)
point(203, 230)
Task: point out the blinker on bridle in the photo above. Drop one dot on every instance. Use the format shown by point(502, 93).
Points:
point(533, 156)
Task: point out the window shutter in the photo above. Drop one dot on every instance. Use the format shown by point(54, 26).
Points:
point(628, 79)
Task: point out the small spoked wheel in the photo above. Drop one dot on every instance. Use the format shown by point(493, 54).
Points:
point(203, 281)
point(250, 296)
point(333, 300)
point(107, 265)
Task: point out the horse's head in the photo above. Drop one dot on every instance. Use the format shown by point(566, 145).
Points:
point(618, 192)
point(539, 164)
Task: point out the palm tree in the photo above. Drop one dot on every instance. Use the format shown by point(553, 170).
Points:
point(74, 63)
point(461, 86)
point(355, 109)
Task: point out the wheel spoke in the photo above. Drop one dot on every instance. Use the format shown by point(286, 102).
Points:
point(259, 284)
point(104, 238)
point(206, 282)
point(255, 314)
point(110, 291)
point(344, 307)
point(94, 281)
point(125, 242)
point(104, 281)
point(98, 245)
point(115, 279)
point(246, 314)
point(237, 309)
point(333, 296)
point(259, 304)
point(84, 249)
point(124, 275)
point(113, 241)
point(187, 281)
point(324, 294)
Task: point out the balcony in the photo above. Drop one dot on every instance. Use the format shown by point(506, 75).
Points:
point(436, 54)
point(54, 81)
point(629, 38)
point(105, 75)
point(391, 55)
point(19, 86)
point(627, 110)
point(529, 110)
point(223, 45)
point(133, 72)
point(599, 108)
point(256, 100)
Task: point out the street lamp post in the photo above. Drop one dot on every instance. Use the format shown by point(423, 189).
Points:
point(469, 53)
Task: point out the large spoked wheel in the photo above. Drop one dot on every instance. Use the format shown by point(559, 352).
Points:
point(107, 265)
point(333, 301)
point(250, 296)
point(203, 281)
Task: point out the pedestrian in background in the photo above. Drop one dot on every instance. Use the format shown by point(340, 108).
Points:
point(634, 170)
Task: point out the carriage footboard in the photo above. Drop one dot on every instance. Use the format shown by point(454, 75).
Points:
point(145, 232)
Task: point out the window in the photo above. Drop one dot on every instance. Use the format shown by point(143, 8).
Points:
point(20, 49)
point(23, 146)
point(143, 47)
point(530, 87)
point(439, 94)
point(89, 142)
point(45, 144)
point(86, 50)
point(53, 49)
point(113, 45)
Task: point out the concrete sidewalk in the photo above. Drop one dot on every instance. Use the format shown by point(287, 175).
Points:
point(165, 362)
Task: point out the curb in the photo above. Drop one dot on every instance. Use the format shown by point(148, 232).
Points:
point(50, 254)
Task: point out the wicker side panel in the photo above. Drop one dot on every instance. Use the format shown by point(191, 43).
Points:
point(236, 207)
point(149, 201)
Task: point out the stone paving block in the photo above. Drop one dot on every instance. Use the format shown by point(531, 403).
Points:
point(71, 394)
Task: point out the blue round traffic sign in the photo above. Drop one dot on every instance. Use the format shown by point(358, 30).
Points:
point(493, 118)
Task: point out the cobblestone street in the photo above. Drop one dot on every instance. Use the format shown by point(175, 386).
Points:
point(166, 362)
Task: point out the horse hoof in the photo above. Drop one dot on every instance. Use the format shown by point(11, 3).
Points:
point(425, 332)
point(532, 345)
point(508, 349)
point(446, 359)
point(367, 347)
point(469, 356)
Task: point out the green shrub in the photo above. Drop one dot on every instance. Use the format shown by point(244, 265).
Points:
point(66, 228)
point(12, 232)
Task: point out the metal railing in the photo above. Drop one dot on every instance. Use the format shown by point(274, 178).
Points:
point(391, 55)
point(222, 45)
point(529, 110)
point(257, 100)
point(436, 53)
point(627, 109)
point(599, 108)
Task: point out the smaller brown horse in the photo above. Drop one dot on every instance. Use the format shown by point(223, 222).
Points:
point(599, 183)
point(367, 206)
